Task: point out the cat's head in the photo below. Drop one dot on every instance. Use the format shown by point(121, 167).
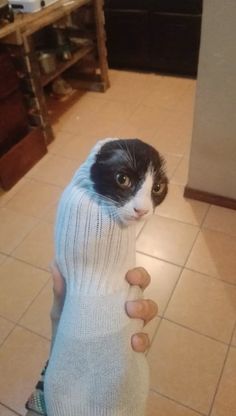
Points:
point(129, 175)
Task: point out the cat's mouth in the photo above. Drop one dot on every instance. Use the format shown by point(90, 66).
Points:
point(135, 218)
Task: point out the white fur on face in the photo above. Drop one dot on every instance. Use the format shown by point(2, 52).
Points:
point(141, 201)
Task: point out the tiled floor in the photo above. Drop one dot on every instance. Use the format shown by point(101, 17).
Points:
point(188, 247)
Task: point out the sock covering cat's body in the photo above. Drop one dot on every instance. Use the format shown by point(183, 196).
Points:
point(93, 370)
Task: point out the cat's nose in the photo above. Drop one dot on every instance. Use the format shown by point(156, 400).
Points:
point(140, 212)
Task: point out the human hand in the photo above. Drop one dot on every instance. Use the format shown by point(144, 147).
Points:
point(144, 309)
point(140, 309)
point(59, 287)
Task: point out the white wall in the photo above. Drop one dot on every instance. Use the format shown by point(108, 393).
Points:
point(213, 153)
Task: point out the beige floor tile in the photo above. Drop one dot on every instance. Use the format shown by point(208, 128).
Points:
point(180, 176)
point(221, 219)
point(156, 239)
point(93, 126)
point(214, 254)
point(204, 304)
point(139, 227)
point(187, 101)
point(5, 329)
point(185, 366)
point(4, 411)
point(50, 214)
point(117, 92)
point(130, 78)
point(2, 257)
point(158, 405)
point(5, 196)
point(171, 163)
point(234, 338)
point(61, 139)
point(37, 317)
point(64, 109)
point(77, 148)
point(173, 133)
point(34, 198)
point(131, 130)
point(75, 123)
point(151, 328)
point(19, 285)
point(55, 170)
point(89, 104)
point(117, 111)
point(37, 248)
point(167, 92)
point(130, 91)
point(225, 401)
point(14, 226)
point(177, 207)
point(22, 357)
point(169, 141)
point(45, 159)
point(163, 279)
point(114, 75)
point(99, 130)
point(146, 117)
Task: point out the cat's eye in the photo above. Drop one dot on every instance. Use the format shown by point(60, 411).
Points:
point(123, 180)
point(158, 188)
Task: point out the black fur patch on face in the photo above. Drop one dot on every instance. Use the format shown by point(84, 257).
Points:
point(130, 157)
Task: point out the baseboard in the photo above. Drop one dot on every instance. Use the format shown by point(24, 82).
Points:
point(213, 199)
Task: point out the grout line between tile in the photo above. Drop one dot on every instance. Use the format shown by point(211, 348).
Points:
point(137, 236)
point(9, 408)
point(177, 166)
point(17, 323)
point(204, 216)
point(37, 217)
point(177, 402)
point(33, 332)
point(4, 339)
point(160, 259)
point(54, 153)
point(195, 332)
point(30, 264)
point(208, 275)
point(218, 231)
point(38, 221)
point(172, 292)
point(154, 335)
point(221, 373)
point(178, 220)
point(50, 183)
point(180, 155)
point(28, 232)
point(34, 179)
point(35, 297)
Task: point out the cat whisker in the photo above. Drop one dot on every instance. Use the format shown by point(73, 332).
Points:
point(134, 158)
point(130, 157)
point(126, 153)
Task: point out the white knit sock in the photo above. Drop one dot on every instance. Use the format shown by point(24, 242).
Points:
point(93, 370)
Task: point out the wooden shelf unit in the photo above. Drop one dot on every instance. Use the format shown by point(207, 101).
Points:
point(20, 38)
point(62, 66)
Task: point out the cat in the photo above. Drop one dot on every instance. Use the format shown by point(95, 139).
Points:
point(93, 370)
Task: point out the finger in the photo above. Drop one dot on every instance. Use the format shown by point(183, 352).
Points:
point(138, 276)
point(58, 281)
point(142, 309)
point(140, 342)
